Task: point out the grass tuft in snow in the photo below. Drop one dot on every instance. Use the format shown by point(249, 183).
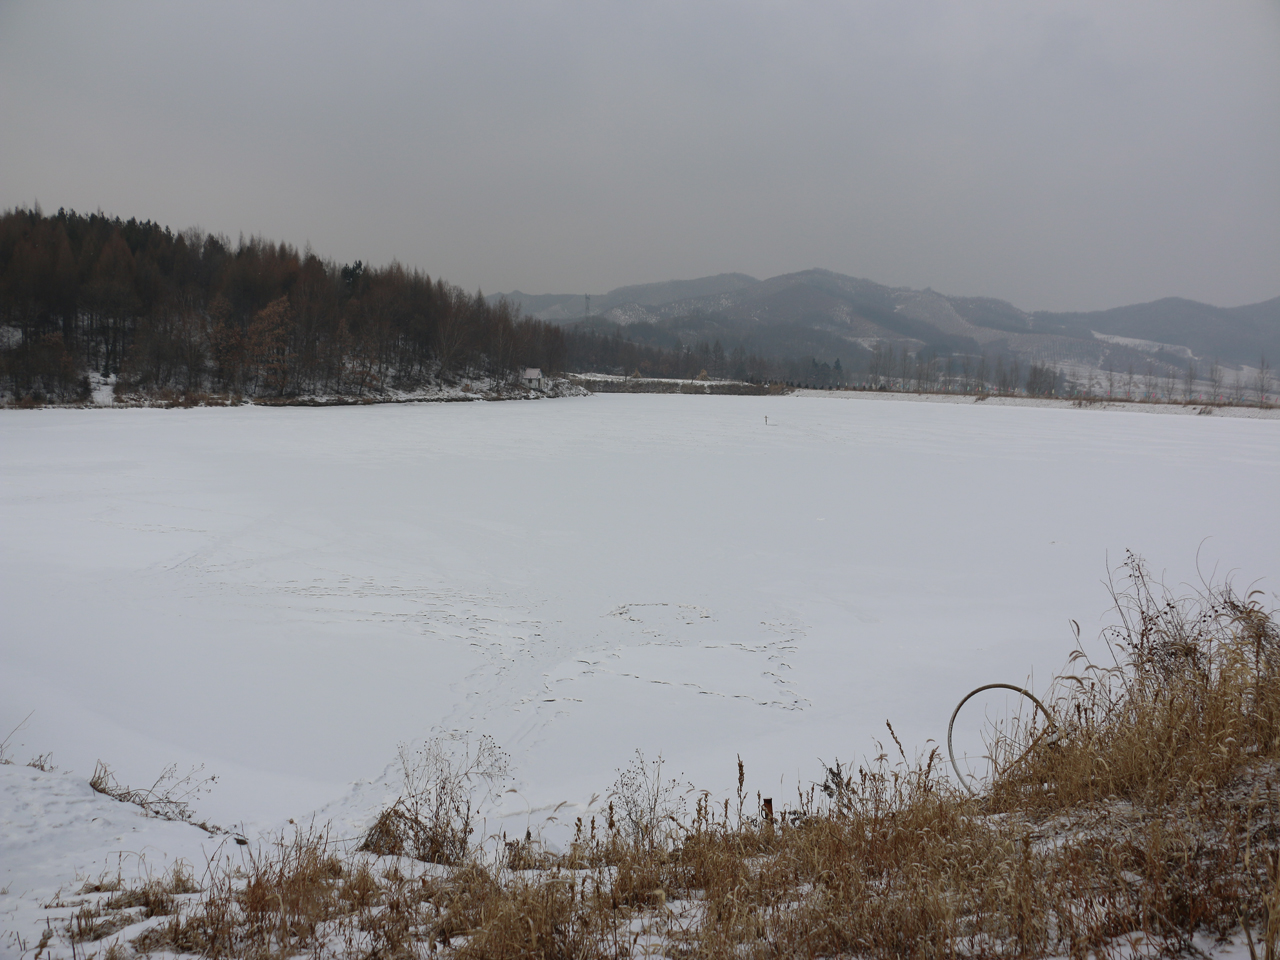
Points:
point(168, 798)
point(434, 817)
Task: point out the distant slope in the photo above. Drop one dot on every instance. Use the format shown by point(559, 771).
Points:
point(1232, 334)
point(543, 306)
point(829, 315)
point(675, 291)
point(572, 306)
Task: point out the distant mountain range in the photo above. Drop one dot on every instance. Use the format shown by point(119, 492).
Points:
point(825, 315)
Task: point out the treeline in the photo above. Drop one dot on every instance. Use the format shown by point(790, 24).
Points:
point(661, 351)
point(965, 374)
point(191, 312)
point(593, 349)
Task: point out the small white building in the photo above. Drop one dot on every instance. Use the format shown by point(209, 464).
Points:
point(531, 378)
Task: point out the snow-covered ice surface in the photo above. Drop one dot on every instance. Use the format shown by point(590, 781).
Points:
point(285, 594)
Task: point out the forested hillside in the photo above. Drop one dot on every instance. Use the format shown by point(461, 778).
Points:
point(189, 313)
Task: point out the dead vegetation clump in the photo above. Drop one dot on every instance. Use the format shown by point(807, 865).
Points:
point(296, 896)
point(273, 901)
point(556, 916)
point(1191, 697)
point(168, 798)
point(434, 817)
point(127, 904)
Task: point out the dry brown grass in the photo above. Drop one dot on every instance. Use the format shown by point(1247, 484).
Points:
point(1191, 696)
point(1150, 810)
point(126, 905)
point(169, 797)
point(1149, 814)
point(434, 817)
point(274, 901)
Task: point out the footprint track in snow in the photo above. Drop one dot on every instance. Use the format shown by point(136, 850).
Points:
point(692, 626)
point(518, 657)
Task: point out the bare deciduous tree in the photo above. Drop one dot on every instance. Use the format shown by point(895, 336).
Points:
point(1215, 381)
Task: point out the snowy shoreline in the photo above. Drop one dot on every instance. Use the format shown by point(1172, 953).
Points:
point(102, 396)
point(580, 385)
point(1051, 403)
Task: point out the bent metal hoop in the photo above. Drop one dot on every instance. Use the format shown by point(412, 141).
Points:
point(970, 695)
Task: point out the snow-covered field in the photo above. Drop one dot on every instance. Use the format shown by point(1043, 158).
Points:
point(285, 594)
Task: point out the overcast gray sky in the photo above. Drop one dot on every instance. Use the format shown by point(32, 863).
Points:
point(1058, 155)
